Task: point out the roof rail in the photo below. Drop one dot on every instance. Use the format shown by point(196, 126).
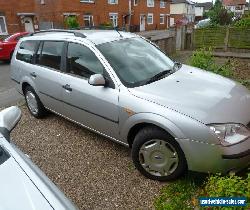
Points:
point(78, 34)
point(105, 28)
point(101, 28)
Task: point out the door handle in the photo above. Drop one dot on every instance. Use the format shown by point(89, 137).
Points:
point(33, 74)
point(67, 87)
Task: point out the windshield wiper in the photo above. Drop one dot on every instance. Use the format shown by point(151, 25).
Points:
point(158, 76)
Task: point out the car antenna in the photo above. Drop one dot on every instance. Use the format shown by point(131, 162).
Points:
point(118, 32)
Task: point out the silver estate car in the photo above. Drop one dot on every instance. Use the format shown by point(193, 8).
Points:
point(122, 86)
point(23, 185)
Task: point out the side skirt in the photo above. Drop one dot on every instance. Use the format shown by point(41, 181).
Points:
point(91, 129)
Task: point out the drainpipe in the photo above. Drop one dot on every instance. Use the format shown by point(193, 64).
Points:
point(129, 12)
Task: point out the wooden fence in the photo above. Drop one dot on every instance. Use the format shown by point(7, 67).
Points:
point(223, 38)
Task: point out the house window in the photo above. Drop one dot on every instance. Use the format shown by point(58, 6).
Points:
point(150, 19)
point(162, 3)
point(114, 19)
point(150, 3)
point(3, 27)
point(162, 19)
point(113, 1)
point(88, 20)
point(87, 1)
point(136, 2)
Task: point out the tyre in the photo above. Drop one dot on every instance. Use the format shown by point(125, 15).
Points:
point(157, 155)
point(34, 104)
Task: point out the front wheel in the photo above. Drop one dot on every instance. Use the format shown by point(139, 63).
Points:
point(157, 155)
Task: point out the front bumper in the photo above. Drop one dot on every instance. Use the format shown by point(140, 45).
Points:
point(203, 157)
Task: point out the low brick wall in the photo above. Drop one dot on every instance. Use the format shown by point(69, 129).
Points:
point(165, 39)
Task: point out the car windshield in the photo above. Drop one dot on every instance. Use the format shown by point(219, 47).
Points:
point(136, 61)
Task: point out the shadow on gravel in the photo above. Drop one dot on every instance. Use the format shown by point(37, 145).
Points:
point(95, 172)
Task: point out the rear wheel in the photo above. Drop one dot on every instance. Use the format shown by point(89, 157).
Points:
point(34, 104)
point(157, 155)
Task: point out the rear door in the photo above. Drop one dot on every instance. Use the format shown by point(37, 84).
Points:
point(92, 106)
point(48, 75)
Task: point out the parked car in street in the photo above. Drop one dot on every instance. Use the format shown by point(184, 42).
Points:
point(23, 184)
point(203, 23)
point(7, 46)
point(120, 85)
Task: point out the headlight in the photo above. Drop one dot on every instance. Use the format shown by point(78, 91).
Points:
point(230, 133)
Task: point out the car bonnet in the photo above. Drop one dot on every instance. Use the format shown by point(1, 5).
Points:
point(202, 95)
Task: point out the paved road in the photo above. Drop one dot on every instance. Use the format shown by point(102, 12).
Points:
point(8, 94)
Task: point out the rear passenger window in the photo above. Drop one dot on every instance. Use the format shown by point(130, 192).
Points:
point(26, 51)
point(51, 54)
point(82, 61)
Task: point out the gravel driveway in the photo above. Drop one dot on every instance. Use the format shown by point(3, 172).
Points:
point(93, 172)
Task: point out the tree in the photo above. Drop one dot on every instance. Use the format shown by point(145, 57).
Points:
point(219, 15)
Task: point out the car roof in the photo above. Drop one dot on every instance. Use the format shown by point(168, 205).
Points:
point(94, 36)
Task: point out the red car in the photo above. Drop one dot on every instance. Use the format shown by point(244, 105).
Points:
point(7, 46)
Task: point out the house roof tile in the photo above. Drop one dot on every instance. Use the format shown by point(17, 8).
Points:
point(233, 2)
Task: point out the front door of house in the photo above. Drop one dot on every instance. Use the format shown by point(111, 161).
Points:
point(142, 22)
point(28, 24)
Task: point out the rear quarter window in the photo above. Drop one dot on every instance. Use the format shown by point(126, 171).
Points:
point(26, 51)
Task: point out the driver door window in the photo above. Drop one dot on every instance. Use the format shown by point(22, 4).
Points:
point(81, 61)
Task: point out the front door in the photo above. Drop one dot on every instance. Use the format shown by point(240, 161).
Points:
point(28, 24)
point(91, 106)
point(142, 22)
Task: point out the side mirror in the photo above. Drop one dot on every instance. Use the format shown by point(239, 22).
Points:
point(8, 119)
point(97, 80)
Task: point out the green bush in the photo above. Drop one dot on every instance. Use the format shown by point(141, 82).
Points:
point(71, 22)
point(243, 23)
point(204, 59)
point(106, 25)
point(177, 195)
point(227, 186)
point(185, 193)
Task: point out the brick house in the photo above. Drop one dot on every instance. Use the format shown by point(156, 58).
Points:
point(201, 9)
point(33, 15)
point(182, 12)
point(235, 6)
point(16, 16)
